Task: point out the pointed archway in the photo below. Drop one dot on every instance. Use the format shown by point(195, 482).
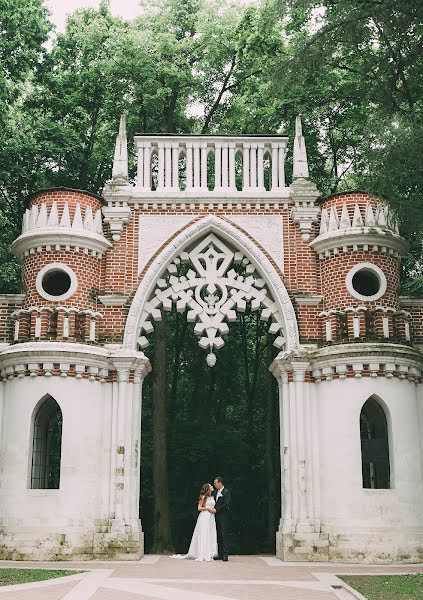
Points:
point(212, 290)
point(211, 271)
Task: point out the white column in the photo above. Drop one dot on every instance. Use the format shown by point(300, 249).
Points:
point(308, 455)
point(246, 166)
point(147, 167)
point(260, 166)
point(37, 332)
point(300, 368)
point(161, 161)
point(281, 166)
point(253, 166)
point(106, 454)
point(65, 326)
point(189, 173)
point(2, 418)
point(356, 327)
point(203, 163)
point(274, 166)
point(140, 166)
point(168, 165)
point(121, 447)
point(196, 165)
point(232, 179)
point(16, 331)
point(113, 449)
point(135, 446)
point(285, 449)
point(218, 166)
point(315, 456)
point(175, 166)
point(225, 166)
point(293, 463)
point(92, 330)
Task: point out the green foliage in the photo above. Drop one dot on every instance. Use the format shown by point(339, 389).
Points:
point(387, 587)
point(14, 576)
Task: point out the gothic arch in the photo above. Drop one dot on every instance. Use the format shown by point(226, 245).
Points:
point(376, 450)
point(45, 444)
point(265, 286)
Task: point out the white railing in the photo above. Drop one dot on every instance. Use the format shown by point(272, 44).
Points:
point(205, 165)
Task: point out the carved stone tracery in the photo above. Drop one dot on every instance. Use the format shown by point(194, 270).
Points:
point(212, 282)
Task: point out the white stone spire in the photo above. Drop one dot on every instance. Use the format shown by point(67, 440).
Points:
point(300, 164)
point(120, 161)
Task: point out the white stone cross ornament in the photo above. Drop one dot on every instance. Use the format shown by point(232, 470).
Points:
point(216, 284)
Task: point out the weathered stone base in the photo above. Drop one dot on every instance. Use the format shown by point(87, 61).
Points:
point(382, 548)
point(104, 541)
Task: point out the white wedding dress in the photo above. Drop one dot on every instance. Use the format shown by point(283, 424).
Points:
point(204, 539)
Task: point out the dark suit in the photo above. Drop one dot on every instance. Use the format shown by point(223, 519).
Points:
point(222, 518)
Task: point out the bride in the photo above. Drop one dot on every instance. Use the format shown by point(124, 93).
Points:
point(204, 539)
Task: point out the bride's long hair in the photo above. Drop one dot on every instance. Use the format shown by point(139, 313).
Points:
point(204, 494)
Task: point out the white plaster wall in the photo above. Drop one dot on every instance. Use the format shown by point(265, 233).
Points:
point(85, 461)
point(345, 506)
point(267, 230)
point(154, 231)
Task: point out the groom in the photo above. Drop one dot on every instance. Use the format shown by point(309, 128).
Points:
point(222, 498)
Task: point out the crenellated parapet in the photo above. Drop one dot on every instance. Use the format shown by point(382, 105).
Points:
point(352, 226)
point(61, 225)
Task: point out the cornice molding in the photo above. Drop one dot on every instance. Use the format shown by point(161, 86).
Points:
point(41, 238)
point(347, 239)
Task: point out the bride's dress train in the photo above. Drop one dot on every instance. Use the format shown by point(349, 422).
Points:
point(204, 539)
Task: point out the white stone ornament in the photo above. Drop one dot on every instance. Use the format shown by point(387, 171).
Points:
point(211, 359)
point(216, 283)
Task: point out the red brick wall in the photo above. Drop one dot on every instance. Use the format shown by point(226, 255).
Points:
point(416, 326)
point(303, 273)
point(334, 272)
point(86, 268)
point(60, 196)
point(350, 199)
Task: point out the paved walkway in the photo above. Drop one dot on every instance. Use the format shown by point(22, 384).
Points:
point(163, 578)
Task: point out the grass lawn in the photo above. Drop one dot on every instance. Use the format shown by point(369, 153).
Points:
point(387, 587)
point(13, 576)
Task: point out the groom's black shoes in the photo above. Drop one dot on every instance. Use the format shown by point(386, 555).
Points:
point(218, 558)
point(225, 559)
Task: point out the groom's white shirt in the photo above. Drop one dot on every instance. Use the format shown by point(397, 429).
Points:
point(219, 493)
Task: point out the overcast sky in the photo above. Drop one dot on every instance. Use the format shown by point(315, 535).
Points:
point(123, 8)
point(61, 8)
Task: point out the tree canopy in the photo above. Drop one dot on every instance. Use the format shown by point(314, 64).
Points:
point(353, 70)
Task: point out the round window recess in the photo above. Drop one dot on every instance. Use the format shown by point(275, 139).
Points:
point(366, 282)
point(56, 282)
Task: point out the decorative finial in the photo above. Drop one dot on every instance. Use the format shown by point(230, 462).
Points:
point(211, 359)
point(120, 161)
point(300, 169)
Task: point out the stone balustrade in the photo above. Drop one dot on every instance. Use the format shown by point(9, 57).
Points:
point(211, 165)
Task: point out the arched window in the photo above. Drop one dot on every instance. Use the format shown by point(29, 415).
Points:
point(46, 446)
point(374, 446)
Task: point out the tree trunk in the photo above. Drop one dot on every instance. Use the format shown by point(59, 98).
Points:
point(162, 540)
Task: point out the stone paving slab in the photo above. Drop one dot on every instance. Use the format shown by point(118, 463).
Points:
point(55, 592)
point(164, 578)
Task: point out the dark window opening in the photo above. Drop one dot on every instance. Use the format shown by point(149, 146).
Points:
point(374, 446)
point(366, 283)
point(47, 446)
point(56, 283)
